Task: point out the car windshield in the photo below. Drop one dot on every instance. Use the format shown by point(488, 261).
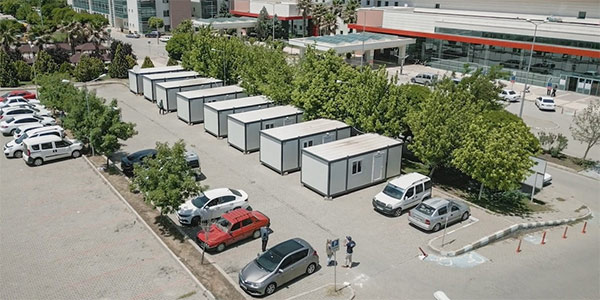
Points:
point(548, 101)
point(21, 138)
point(269, 260)
point(235, 192)
point(224, 225)
point(393, 191)
point(426, 209)
point(200, 201)
point(8, 120)
point(511, 92)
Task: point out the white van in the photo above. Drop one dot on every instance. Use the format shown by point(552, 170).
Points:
point(45, 148)
point(402, 193)
point(15, 147)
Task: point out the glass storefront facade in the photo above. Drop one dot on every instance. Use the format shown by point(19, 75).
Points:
point(120, 8)
point(100, 6)
point(83, 4)
point(569, 72)
point(146, 10)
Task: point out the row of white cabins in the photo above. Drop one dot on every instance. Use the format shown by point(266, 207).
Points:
point(333, 160)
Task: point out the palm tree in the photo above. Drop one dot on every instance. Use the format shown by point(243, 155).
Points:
point(337, 6)
point(349, 13)
point(75, 34)
point(319, 12)
point(330, 22)
point(7, 36)
point(306, 7)
point(95, 35)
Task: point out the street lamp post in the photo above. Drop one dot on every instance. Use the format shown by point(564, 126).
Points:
point(526, 86)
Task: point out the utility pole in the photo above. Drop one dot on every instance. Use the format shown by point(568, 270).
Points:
point(526, 86)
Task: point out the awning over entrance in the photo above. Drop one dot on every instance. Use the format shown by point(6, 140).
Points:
point(226, 23)
point(353, 42)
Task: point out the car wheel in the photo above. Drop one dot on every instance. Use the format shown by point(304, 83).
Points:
point(311, 268)
point(237, 208)
point(195, 221)
point(270, 288)
point(18, 154)
point(38, 161)
point(412, 80)
point(465, 216)
point(12, 132)
point(76, 154)
point(221, 247)
point(256, 234)
point(436, 227)
point(398, 212)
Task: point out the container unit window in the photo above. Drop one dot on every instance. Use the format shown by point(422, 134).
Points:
point(307, 144)
point(269, 125)
point(356, 167)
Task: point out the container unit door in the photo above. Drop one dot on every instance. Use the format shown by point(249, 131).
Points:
point(378, 166)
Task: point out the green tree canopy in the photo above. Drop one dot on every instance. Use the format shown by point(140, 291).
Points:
point(88, 68)
point(44, 63)
point(8, 72)
point(119, 64)
point(23, 70)
point(167, 180)
point(56, 94)
point(182, 40)
point(108, 130)
point(147, 63)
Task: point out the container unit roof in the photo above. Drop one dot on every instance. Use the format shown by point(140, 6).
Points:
point(352, 146)
point(265, 114)
point(170, 75)
point(292, 131)
point(157, 69)
point(240, 102)
point(212, 92)
point(187, 82)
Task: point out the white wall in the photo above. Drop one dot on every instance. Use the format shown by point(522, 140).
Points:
point(133, 18)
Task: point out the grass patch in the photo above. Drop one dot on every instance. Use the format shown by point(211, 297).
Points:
point(410, 166)
point(574, 163)
point(187, 295)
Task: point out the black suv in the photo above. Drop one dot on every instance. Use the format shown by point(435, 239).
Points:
point(132, 159)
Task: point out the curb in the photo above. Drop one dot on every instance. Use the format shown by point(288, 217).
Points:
point(206, 292)
point(504, 234)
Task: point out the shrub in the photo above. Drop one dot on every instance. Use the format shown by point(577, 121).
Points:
point(8, 72)
point(88, 68)
point(23, 70)
point(66, 68)
point(118, 66)
point(131, 62)
point(553, 143)
point(147, 63)
point(172, 62)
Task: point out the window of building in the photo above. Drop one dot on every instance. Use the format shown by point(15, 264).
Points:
point(437, 5)
point(395, 3)
point(165, 13)
point(356, 167)
point(378, 3)
point(307, 144)
point(368, 2)
point(581, 15)
point(269, 126)
point(387, 3)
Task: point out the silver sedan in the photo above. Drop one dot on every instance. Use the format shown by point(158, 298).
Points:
point(435, 213)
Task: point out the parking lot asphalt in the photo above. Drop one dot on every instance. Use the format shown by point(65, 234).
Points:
point(65, 235)
point(388, 266)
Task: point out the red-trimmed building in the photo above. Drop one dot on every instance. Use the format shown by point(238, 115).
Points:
point(566, 53)
point(286, 11)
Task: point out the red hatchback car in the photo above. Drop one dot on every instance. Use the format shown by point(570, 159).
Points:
point(234, 226)
point(24, 94)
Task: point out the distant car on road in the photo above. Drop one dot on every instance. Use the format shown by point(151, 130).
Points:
point(152, 34)
point(545, 103)
point(234, 226)
point(165, 38)
point(509, 95)
point(431, 214)
point(133, 35)
point(424, 78)
point(22, 93)
point(210, 205)
point(280, 264)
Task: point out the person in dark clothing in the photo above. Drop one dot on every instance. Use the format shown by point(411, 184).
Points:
point(161, 109)
point(554, 90)
point(264, 234)
point(350, 244)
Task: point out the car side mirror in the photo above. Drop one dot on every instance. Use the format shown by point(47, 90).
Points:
point(280, 271)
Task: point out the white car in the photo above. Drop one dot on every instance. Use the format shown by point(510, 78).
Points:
point(18, 100)
point(509, 95)
point(165, 38)
point(8, 112)
point(25, 128)
point(45, 148)
point(211, 205)
point(545, 103)
point(15, 147)
point(40, 109)
point(10, 125)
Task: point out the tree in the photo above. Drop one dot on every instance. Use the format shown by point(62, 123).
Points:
point(108, 130)
point(118, 65)
point(88, 68)
point(586, 126)
point(306, 7)
point(125, 49)
point(318, 12)
point(8, 73)
point(147, 63)
point(57, 95)
point(23, 70)
point(156, 22)
point(182, 40)
point(166, 180)
point(10, 7)
point(224, 10)
point(349, 13)
point(497, 154)
point(66, 68)
point(8, 34)
point(23, 11)
point(172, 62)
point(263, 25)
point(131, 62)
point(44, 64)
point(59, 55)
point(552, 143)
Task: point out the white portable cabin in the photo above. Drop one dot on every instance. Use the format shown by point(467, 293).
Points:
point(135, 76)
point(215, 114)
point(166, 92)
point(151, 80)
point(190, 105)
point(243, 129)
point(342, 166)
point(281, 148)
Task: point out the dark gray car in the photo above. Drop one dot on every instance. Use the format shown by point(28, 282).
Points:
point(278, 265)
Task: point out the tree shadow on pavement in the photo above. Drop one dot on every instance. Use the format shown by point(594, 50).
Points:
point(168, 229)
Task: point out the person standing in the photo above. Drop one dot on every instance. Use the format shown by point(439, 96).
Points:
point(161, 109)
point(554, 90)
point(350, 244)
point(329, 252)
point(264, 235)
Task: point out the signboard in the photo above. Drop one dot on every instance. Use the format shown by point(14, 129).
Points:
point(536, 178)
point(335, 245)
point(512, 79)
point(549, 85)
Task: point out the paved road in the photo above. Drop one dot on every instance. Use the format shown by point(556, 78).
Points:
point(143, 47)
point(65, 235)
point(387, 247)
